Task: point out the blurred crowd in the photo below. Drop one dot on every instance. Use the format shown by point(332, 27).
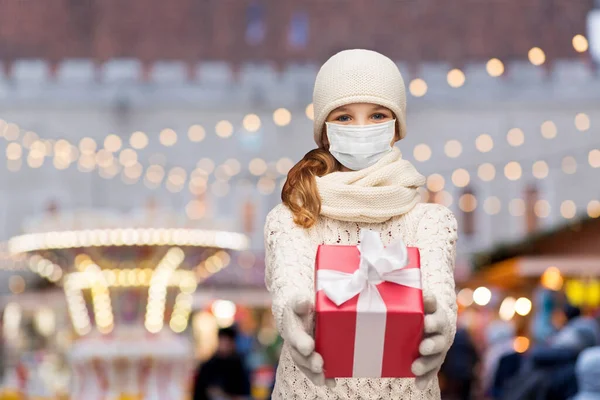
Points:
point(564, 366)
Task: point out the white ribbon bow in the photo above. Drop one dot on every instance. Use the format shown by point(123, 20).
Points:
point(377, 264)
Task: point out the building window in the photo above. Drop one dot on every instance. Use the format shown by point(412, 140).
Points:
point(299, 30)
point(255, 24)
point(531, 197)
point(468, 204)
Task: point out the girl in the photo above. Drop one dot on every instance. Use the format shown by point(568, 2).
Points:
point(355, 180)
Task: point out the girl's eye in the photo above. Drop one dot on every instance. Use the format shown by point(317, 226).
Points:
point(343, 118)
point(379, 116)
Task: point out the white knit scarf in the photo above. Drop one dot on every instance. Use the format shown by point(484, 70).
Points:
point(373, 195)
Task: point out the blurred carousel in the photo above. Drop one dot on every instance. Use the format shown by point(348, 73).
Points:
point(129, 282)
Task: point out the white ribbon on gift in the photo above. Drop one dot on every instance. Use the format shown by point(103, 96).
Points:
point(377, 264)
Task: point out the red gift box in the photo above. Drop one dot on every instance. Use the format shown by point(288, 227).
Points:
point(377, 335)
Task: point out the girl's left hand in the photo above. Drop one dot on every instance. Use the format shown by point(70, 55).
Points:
point(432, 346)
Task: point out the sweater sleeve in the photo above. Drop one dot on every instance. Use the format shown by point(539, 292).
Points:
point(436, 239)
point(289, 261)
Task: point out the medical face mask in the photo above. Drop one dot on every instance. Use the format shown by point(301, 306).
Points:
point(359, 146)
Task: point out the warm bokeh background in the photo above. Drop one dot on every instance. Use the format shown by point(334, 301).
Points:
point(179, 121)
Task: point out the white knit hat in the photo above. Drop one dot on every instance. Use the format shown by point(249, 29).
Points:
point(358, 76)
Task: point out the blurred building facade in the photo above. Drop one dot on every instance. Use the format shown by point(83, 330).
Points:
point(224, 87)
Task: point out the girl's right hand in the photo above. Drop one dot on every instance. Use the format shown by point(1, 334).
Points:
point(302, 345)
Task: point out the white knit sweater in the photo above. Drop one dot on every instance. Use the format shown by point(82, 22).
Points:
point(290, 255)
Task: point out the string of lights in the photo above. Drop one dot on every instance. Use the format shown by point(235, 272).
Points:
point(113, 158)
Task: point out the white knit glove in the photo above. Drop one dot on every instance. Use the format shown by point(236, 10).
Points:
point(296, 320)
point(433, 345)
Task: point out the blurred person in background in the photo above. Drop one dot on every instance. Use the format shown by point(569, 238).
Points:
point(548, 372)
point(587, 371)
point(571, 312)
point(500, 338)
point(224, 376)
point(458, 371)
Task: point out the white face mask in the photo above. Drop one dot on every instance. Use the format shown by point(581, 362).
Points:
point(359, 146)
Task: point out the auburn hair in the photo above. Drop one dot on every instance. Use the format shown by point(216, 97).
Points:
point(300, 192)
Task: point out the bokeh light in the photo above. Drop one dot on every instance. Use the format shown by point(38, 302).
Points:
point(515, 137)
point(492, 205)
point(513, 171)
point(138, 140)
point(282, 117)
point(435, 182)
point(549, 130)
point(310, 112)
point(484, 143)
point(422, 152)
point(461, 178)
point(521, 344)
point(536, 56)
point(582, 122)
point(418, 87)
point(482, 296)
point(196, 133)
point(257, 167)
point(593, 209)
point(552, 279)
point(568, 209)
point(542, 208)
point(507, 309)
point(540, 169)
point(465, 297)
point(495, 67)
point(168, 137)
point(453, 148)
point(224, 129)
point(523, 306)
point(580, 43)
point(251, 122)
point(456, 78)
point(112, 143)
point(486, 172)
point(467, 202)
